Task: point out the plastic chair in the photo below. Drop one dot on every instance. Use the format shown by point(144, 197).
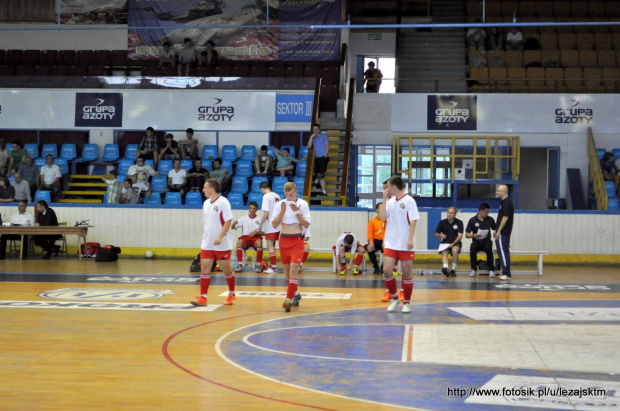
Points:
point(248, 153)
point(42, 195)
point(209, 152)
point(173, 199)
point(62, 164)
point(256, 182)
point(300, 169)
point(123, 168)
point(208, 164)
point(90, 152)
point(271, 150)
point(186, 164)
point(131, 151)
point(159, 184)
point(193, 199)
point(258, 197)
point(227, 165)
point(32, 149)
point(303, 152)
point(613, 204)
point(9, 147)
point(244, 169)
point(229, 153)
point(49, 149)
point(164, 166)
point(154, 199)
point(292, 148)
point(239, 185)
point(278, 184)
point(235, 199)
point(68, 151)
point(150, 163)
point(110, 153)
point(40, 162)
point(600, 152)
point(616, 153)
point(299, 182)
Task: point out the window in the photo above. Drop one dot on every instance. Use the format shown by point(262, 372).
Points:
point(374, 166)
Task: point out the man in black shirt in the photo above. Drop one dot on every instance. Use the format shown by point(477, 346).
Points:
point(197, 176)
point(47, 217)
point(450, 230)
point(481, 221)
point(503, 229)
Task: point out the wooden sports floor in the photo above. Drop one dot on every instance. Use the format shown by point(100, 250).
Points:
point(81, 335)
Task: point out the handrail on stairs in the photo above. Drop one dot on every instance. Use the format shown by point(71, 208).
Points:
point(347, 145)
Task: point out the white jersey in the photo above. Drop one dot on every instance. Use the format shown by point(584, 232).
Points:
point(400, 213)
point(248, 224)
point(340, 241)
point(269, 203)
point(289, 215)
point(215, 214)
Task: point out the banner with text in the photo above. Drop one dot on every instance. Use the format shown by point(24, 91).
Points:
point(93, 11)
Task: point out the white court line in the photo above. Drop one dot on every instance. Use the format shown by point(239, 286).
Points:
point(406, 338)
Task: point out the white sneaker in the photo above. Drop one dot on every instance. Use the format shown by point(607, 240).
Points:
point(406, 309)
point(491, 274)
point(393, 305)
point(270, 271)
point(473, 273)
point(504, 277)
point(239, 268)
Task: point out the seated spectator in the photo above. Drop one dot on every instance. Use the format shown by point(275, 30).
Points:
point(4, 159)
point(197, 176)
point(285, 162)
point(189, 147)
point(22, 219)
point(47, 217)
point(495, 40)
point(139, 175)
point(7, 191)
point(209, 57)
point(171, 150)
point(128, 196)
point(263, 162)
point(475, 226)
point(149, 147)
point(609, 170)
point(50, 178)
point(16, 156)
point(476, 37)
point(187, 57)
point(114, 187)
point(450, 230)
point(221, 175)
point(347, 243)
point(514, 39)
point(177, 179)
point(167, 56)
point(22, 188)
point(30, 172)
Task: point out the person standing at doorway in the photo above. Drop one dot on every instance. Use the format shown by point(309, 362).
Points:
point(372, 78)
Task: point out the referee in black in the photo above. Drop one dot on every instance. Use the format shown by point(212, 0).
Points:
point(503, 229)
point(481, 221)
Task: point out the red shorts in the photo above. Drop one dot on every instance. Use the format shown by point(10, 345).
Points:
point(399, 255)
point(272, 236)
point(250, 241)
point(214, 255)
point(291, 249)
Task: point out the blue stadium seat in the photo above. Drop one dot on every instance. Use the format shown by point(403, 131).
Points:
point(292, 148)
point(271, 150)
point(42, 195)
point(123, 168)
point(610, 188)
point(90, 152)
point(248, 153)
point(616, 154)
point(68, 151)
point(173, 199)
point(300, 169)
point(258, 197)
point(278, 184)
point(131, 151)
point(40, 162)
point(256, 182)
point(235, 199)
point(159, 184)
point(110, 153)
point(229, 153)
point(164, 166)
point(227, 165)
point(32, 149)
point(154, 199)
point(105, 198)
point(150, 163)
point(9, 147)
point(612, 204)
point(193, 199)
point(208, 164)
point(62, 164)
point(49, 149)
point(209, 152)
point(600, 152)
point(239, 185)
point(303, 152)
point(186, 164)
point(244, 169)
point(299, 182)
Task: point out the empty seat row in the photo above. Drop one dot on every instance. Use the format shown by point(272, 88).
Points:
point(548, 58)
point(557, 8)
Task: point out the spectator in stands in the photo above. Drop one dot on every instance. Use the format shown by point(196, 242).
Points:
point(209, 57)
point(149, 148)
point(476, 225)
point(22, 188)
point(197, 176)
point(609, 170)
point(495, 39)
point(7, 191)
point(514, 39)
point(187, 57)
point(189, 147)
point(30, 172)
point(285, 162)
point(320, 142)
point(50, 178)
point(22, 219)
point(372, 77)
point(221, 175)
point(263, 162)
point(177, 179)
point(476, 37)
point(16, 156)
point(128, 196)
point(450, 230)
point(139, 174)
point(171, 150)
point(167, 57)
point(47, 217)
point(4, 159)
point(114, 187)
point(347, 243)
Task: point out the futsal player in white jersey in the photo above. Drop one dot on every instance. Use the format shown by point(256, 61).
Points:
point(401, 213)
point(251, 236)
point(216, 242)
point(272, 233)
point(347, 243)
point(294, 214)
